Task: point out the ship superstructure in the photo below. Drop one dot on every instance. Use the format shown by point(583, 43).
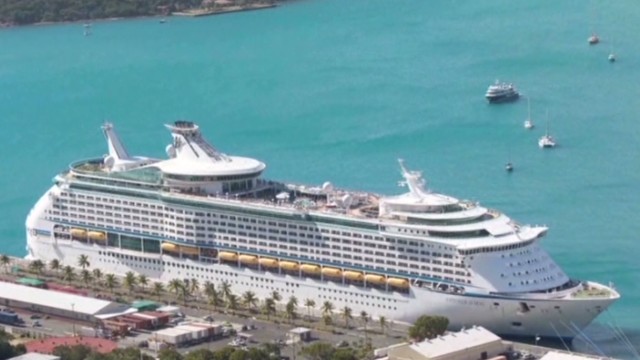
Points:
point(207, 215)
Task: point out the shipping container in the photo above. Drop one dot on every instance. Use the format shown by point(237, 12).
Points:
point(173, 336)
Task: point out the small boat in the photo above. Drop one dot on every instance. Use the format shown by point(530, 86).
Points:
point(87, 29)
point(163, 20)
point(612, 57)
point(501, 92)
point(509, 167)
point(593, 39)
point(528, 124)
point(546, 140)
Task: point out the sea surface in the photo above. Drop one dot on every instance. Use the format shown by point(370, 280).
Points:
point(337, 90)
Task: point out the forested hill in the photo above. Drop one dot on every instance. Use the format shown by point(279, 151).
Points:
point(23, 12)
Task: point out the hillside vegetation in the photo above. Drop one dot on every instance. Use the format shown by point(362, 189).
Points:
point(23, 12)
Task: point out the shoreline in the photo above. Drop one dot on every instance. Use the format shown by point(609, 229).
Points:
point(186, 13)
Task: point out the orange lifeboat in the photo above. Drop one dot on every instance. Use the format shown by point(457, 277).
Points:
point(331, 272)
point(354, 275)
point(398, 282)
point(310, 269)
point(227, 256)
point(248, 259)
point(189, 250)
point(97, 235)
point(79, 233)
point(289, 265)
point(169, 247)
point(375, 279)
point(268, 262)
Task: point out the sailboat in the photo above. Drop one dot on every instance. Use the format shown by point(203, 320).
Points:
point(593, 39)
point(546, 141)
point(528, 124)
point(508, 167)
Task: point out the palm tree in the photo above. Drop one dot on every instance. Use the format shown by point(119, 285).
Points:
point(110, 281)
point(249, 300)
point(143, 280)
point(97, 274)
point(347, 314)
point(269, 307)
point(310, 304)
point(290, 309)
point(68, 274)
point(226, 289)
point(158, 289)
point(383, 324)
point(364, 317)
point(130, 281)
point(232, 303)
point(5, 261)
point(86, 277)
point(36, 266)
point(194, 287)
point(275, 295)
point(55, 266)
point(327, 313)
point(174, 286)
point(83, 261)
point(212, 294)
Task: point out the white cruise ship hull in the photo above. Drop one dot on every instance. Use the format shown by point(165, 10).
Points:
point(551, 318)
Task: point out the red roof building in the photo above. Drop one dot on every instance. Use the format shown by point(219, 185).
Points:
point(46, 346)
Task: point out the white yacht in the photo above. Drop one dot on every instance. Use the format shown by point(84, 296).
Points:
point(528, 123)
point(593, 39)
point(202, 214)
point(546, 141)
point(501, 92)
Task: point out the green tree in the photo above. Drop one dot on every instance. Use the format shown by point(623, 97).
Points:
point(5, 261)
point(37, 267)
point(194, 286)
point(68, 274)
point(55, 266)
point(143, 280)
point(382, 320)
point(428, 327)
point(130, 281)
point(232, 303)
point(200, 354)
point(97, 274)
point(309, 304)
point(275, 295)
point(83, 261)
point(158, 289)
point(269, 307)
point(213, 295)
point(249, 300)
point(86, 277)
point(175, 286)
point(346, 314)
point(290, 309)
point(170, 354)
point(319, 351)
point(76, 352)
point(111, 282)
point(225, 287)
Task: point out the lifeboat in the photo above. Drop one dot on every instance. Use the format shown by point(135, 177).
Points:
point(97, 235)
point(289, 265)
point(248, 259)
point(375, 279)
point(78, 233)
point(353, 275)
point(227, 256)
point(268, 262)
point(189, 250)
point(169, 247)
point(310, 269)
point(399, 283)
point(333, 272)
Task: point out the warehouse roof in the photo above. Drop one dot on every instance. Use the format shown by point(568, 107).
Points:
point(58, 300)
point(35, 356)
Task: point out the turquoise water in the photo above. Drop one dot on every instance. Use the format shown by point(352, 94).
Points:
point(338, 90)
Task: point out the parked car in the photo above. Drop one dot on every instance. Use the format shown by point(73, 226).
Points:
point(35, 316)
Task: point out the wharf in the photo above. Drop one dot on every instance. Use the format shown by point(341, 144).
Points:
point(223, 10)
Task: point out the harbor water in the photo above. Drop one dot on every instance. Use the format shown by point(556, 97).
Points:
point(339, 90)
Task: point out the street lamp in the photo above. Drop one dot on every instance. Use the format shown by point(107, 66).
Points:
point(73, 318)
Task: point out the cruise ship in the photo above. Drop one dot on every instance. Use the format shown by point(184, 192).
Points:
point(203, 214)
point(501, 92)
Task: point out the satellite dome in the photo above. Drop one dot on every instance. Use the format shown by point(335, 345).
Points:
point(109, 161)
point(327, 187)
